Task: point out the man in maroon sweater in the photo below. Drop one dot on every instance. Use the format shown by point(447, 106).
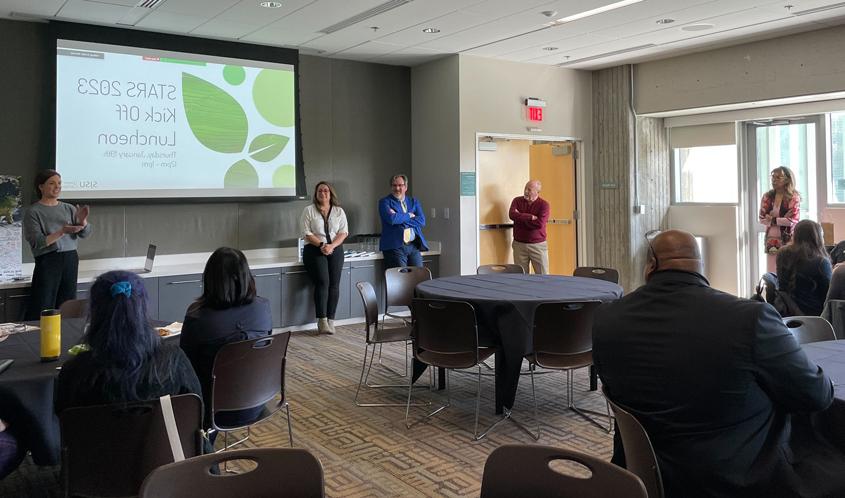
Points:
point(529, 214)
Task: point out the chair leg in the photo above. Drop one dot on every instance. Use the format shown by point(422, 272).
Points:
point(583, 412)
point(365, 378)
point(290, 424)
point(534, 397)
point(430, 414)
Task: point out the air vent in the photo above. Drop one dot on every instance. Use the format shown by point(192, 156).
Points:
point(608, 54)
point(378, 9)
point(818, 9)
point(148, 4)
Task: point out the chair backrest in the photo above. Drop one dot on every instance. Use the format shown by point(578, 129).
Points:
point(809, 328)
point(108, 450)
point(503, 268)
point(279, 472)
point(564, 328)
point(249, 373)
point(639, 453)
point(399, 284)
point(834, 313)
point(598, 272)
point(368, 295)
point(445, 327)
point(74, 308)
point(524, 470)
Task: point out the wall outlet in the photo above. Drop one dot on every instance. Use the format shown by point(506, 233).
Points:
point(433, 213)
point(446, 213)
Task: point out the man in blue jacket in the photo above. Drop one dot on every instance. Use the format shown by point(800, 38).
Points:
point(402, 219)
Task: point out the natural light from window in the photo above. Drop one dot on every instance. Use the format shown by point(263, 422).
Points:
point(706, 175)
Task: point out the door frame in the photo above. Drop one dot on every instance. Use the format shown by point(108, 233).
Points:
point(582, 231)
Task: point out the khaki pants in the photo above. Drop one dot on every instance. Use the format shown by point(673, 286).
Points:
point(537, 254)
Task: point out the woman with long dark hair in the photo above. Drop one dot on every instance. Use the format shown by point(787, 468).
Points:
point(228, 311)
point(126, 359)
point(779, 211)
point(52, 228)
point(324, 228)
point(803, 268)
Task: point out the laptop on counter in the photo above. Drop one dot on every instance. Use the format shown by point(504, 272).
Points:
point(148, 265)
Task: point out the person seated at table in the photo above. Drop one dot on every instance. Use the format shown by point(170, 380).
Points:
point(228, 311)
point(720, 385)
point(12, 451)
point(803, 268)
point(126, 359)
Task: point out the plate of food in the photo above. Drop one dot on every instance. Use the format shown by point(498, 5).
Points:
point(171, 330)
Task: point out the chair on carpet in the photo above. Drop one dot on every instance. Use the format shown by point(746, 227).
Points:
point(808, 329)
point(74, 308)
point(608, 274)
point(108, 450)
point(639, 453)
point(376, 334)
point(277, 472)
point(445, 335)
point(399, 285)
point(834, 313)
point(563, 340)
point(525, 470)
point(495, 269)
point(249, 374)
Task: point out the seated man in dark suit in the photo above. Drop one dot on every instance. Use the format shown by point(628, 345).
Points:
point(718, 382)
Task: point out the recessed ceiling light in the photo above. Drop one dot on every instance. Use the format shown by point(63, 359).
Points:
point(431, 30)
point(271, 5)
point(665, 21)
point(549, 13)
point(697, 27)
point(550, 49)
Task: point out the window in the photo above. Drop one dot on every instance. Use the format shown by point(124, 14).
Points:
point(706, 174)
point(836, 185)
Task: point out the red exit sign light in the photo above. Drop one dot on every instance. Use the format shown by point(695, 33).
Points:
point(535, 113)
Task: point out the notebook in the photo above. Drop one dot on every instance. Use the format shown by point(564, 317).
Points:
point(148, 266)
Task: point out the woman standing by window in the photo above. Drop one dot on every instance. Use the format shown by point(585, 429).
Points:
point(779, 211)
point(52, 229)
point(325, 228)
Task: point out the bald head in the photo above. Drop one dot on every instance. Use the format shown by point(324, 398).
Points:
point(674, 250)
point(532, 190)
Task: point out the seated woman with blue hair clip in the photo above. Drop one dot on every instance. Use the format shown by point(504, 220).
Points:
point(125, 359)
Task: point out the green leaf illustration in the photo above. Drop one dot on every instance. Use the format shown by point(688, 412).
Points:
point(234, 75)
point(272, 93)
point(267, 146)
point(215, 118)
point(241, 174)
point(284, 176)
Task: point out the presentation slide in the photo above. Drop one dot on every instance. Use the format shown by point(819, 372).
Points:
point(138, 123)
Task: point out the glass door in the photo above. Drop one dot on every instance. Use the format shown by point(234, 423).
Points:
point(796, 143)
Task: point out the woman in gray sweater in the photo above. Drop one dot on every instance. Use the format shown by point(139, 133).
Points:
point(52, 229)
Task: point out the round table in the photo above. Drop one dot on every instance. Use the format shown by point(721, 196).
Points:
point(504, 311)
point(830, 355)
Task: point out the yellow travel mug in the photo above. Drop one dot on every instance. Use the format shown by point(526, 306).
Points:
point(51, 335)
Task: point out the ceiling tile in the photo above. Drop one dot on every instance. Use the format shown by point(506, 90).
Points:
point(168, 21)
point(251, 12)
point(82, 10)
point(206, 8)
point(224, 29)
point(27, 7)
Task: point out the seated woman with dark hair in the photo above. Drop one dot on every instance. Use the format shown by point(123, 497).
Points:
point(126, 359)
point(227, 311)
point(804, 269)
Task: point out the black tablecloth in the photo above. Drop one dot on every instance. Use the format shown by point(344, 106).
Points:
point(830, 355)
point(26, 390)
point(504, 308)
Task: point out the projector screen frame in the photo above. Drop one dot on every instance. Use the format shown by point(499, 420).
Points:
point(128, 37)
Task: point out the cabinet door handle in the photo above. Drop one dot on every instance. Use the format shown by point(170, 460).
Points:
point(295, 272)
point(18, 296)
point(267, 275)
point(177, 282)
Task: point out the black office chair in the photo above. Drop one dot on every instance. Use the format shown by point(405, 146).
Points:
point(525, 470)
point(108, 450)
point(278, 472)
point(496, 269)
point(74, 308)
point(248, 374)
point(608, 274)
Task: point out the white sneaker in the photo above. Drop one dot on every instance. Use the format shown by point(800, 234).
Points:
point(323, 326)
point(331, 326)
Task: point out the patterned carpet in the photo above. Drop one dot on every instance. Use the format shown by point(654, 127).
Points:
point(368, 451)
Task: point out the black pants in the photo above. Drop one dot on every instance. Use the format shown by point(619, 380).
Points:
point(325, 272)
point(53, 282)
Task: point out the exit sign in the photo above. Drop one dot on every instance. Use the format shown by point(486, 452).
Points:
point(535, 113)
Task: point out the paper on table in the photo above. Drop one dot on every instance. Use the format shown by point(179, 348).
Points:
point(174, 328)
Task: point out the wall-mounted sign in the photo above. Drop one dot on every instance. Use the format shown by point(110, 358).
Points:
point(467, 183)
point(534, 108)
point(535, 113)
point(609, 185)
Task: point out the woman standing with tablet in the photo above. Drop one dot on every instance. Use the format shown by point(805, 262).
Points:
point(52, 228)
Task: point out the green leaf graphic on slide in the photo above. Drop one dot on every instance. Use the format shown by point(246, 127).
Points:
point(216, 119)
point(284, 176)
point(241, 174)
point(267, 146)
point(272, 93)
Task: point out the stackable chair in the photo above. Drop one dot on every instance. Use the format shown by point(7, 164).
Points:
point(108, 450)
point(608, 274)
point(74, 308)
point(524, 470)
point(248, 374)
point(503, 268)
point(399, 284)
point(808, 329)
point(277, 472)
point(563, 340)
